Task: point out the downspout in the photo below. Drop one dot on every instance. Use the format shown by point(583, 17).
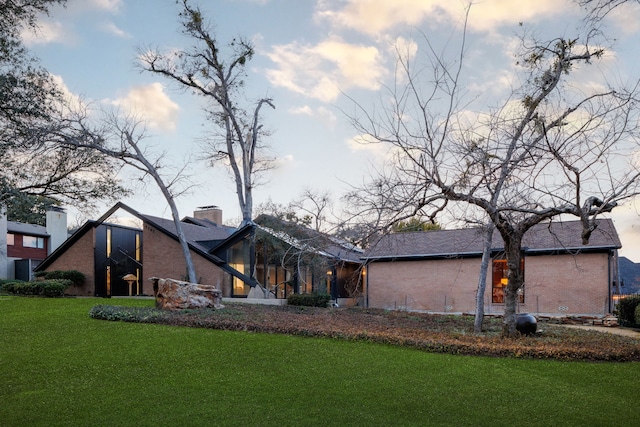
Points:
point(366, 295)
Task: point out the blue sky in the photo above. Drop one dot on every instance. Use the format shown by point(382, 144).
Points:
point(311, 55)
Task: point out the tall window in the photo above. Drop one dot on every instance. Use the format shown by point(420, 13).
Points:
point(10, 239)
point(500, 281)
point(239, 259)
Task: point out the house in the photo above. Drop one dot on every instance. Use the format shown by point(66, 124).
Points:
point(293, 258)
point(106, 252)
point(24, 246)
point(437, 271)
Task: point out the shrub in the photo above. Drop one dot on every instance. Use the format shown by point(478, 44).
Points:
point(45, 288)
point(627, 310)
point(126, 314)
point(309, 300)
point(75, 276)
point(637, 316)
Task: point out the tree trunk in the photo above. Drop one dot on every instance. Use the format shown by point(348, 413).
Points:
point(513, 254)
point(482, 280)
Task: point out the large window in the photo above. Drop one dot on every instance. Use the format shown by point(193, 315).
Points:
point(501, 280)
point(11, 239)
point(239, 259)
point(33, 242)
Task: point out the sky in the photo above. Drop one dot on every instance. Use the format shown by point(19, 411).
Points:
point(314, 58)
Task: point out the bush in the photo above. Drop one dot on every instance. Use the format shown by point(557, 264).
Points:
point(75, 276)
point(45, 288)
point(309, 300)
point(637, 316)
point(627, 310)
point(126, 314)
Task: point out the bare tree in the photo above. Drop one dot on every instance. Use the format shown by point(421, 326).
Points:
point(549, 150)
point(316, 205)
point(203, 70)
point(598, 9)
point(121, 139)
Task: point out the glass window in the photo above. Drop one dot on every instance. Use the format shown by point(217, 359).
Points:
point(500, 280)
point(239, 260)
point(33, 242)
point(10, 239)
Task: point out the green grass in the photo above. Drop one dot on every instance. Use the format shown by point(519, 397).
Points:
point(59, 367)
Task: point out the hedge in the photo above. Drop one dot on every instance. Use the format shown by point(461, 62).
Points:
point(309, 300)
point(75, 276)
point(45, 288)
point(627, 310)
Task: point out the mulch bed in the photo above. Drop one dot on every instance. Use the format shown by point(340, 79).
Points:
point(434, 333)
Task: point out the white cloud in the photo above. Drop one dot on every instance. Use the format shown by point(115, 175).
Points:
point(365, 144)
point(47, 32)
point(326, 116)
point(111, 28)
point(112, 6)
point(152, 104)
point(626, 17)
point(374, 17)
point(323, 70)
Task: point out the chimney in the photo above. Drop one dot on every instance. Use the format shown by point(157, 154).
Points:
point(212, 213)
point(56, 227)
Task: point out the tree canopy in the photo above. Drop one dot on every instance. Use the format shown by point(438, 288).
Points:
point(33, 118)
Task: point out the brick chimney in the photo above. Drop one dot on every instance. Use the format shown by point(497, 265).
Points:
point(212, 213)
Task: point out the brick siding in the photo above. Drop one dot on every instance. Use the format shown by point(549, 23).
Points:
point(554, 285)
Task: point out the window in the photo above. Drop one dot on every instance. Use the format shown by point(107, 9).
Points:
point(500, 281)
point(33, 242)
point(10, 239)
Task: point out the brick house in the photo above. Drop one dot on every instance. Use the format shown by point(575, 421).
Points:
point(23, 246)
point(105, 252)
point(437, 271)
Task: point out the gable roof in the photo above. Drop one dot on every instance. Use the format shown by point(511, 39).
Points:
point(552, 237)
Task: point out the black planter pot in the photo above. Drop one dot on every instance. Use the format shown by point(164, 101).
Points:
point(526, 324)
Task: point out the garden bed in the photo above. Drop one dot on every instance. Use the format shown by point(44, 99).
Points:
point(429, 332)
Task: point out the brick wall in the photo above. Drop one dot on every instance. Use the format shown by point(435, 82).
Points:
point(162, 257)
point(556, 285)
point(79, 256)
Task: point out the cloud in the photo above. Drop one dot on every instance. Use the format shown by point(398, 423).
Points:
point(111, 28)
point(321, 71)
point(365, 144)
point(152, 104)
point(47, 32)
point(626, 17)
point(326, 116)
point(374, 17)
point(112, 6)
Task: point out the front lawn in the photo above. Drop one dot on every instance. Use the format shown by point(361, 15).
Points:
point(60, 367)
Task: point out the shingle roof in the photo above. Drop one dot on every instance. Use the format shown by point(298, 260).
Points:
point(196, 234)
point(547, 237)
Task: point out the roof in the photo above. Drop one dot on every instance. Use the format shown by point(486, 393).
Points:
point(198, 233)
point(552, 237)
point(308, 239)
point(27, 229)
